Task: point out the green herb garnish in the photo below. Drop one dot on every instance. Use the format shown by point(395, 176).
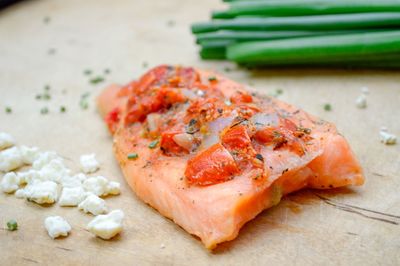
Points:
point(327, 107)
point(12, 225)
point(97, 80)
point(84, 100)
point(44, 110)
point(8, 110)
point(133, 156)
point(145, 64)
point(107, 71)
point(212, 78)
point(153, 144)
point(63, 109)
point(87, 72)
point(279, 91)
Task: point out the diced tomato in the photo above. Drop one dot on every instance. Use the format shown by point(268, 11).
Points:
point(112, 119)
point(241, 97)
point(236, 138)
point(169, 146)
point(212, 166)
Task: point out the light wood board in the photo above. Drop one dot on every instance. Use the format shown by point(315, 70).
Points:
point(121, 35)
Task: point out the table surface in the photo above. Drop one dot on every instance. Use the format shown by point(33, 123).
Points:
point(53, 42)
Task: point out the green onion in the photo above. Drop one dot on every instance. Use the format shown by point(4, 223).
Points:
point(12, 225)
point(97, 80)
point(8, 110)
point(321, 50)
point(63, 109)
point(44, 110)
point(133, 156)
point(153, 144)
point(327, 107)
point(212, 78)
point(319, 22)
point(276, 8)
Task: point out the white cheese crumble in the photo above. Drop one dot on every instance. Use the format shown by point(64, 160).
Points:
point(386, 137)
point(364, 90)
point(10, 159)
point(100, 186)
point(89, 164)
point(44, 158)
point(73, 181)
point(71, 196)
point(361, 101)
point(57, 226)
point(107, 226)
point(40, 192)
point(54, 170)
point(6, 140)
point(9, 183)
point(93, 204)
point(29, 154)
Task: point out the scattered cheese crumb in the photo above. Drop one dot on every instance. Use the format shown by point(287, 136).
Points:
point(386, 137)
point(89, 164)
point(6, 140)
point(361, 101)
point(93, 204)
point(71, 196)
point(100, 186)
point(54, 170)
point(10, 159)
point(44, 158)
point(40, 192)
point(73, 181)
point(107, 226)
point(29, 154)
point(57, 226)
point(9, 183)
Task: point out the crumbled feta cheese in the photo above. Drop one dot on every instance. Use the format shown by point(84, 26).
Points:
point(71, 196)
point(113, 188)
point(20, 193)
point(386, 137)
point(44, 158)
point(96, 184)
point(89, 164)
point(57, 226)
point(10, 159)
point(100, 186)
point(6, 140)
point(361, 101)
point(93, 204)
point(40, 192)
point(29, 154)
point(73, 181)
point(55, 171)
point(107, 226)
point(9, 183)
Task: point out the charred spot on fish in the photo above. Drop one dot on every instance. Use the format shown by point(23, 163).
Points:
point(284, 171)
point(260, 157)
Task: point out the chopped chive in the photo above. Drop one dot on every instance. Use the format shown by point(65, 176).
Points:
point(87, 72)
point(212, 78)
point(107, 71)
point(153, 144)
point(279, 91)
point(145, 64)
point(8, 110)
point(84, 104)
point(44, 110)
point(327, 107)
point(63, 109)
point(133, 156)
point(12, 225)
point(46, 87)
point(46, 20)
point(46, 96)
point(96, 80)
point(38, 97)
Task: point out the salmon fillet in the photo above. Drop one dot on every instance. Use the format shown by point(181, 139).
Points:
point(210, 154)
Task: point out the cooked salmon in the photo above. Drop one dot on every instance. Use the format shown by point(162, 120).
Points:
point(211, 154)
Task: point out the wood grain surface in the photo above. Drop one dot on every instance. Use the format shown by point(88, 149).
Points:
point(53, 41)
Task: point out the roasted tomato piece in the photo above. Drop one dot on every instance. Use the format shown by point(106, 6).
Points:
point(168, 144)
point(236, 138)
point(112, 120)
point(241, 97)
point(211, 166)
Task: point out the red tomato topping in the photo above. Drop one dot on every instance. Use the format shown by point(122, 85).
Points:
point(236, 138)
point(212, 166)
point(241, 97)
point(112, 119)
point(169, 146)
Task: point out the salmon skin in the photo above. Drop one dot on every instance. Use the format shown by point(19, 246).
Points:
point(210, 154)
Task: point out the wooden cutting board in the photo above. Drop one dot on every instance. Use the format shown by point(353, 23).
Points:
point(54, 42)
